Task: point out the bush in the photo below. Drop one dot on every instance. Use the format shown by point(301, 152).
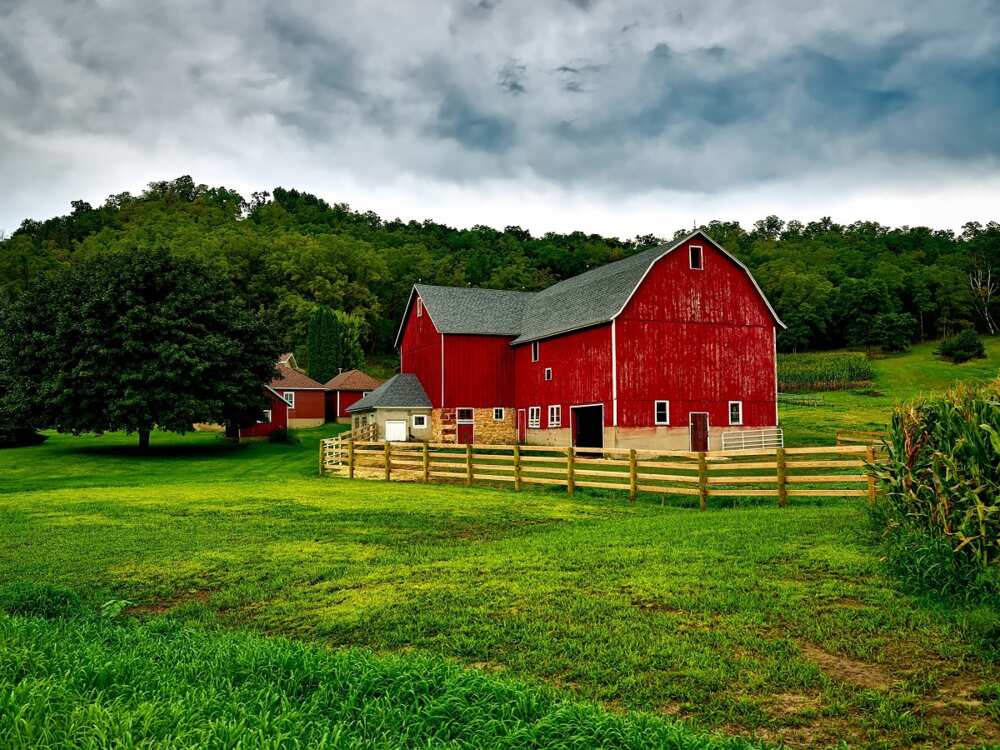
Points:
point(823, 371)
point(39, 600)
point(12, 436)
point(962, 347)
point(939, 509)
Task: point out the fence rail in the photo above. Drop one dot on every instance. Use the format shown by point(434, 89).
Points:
point(781, 473)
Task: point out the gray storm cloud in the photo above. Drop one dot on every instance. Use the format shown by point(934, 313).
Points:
point(615, 97)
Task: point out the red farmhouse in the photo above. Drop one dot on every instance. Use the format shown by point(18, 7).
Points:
point(345, 389)
point(668, 348)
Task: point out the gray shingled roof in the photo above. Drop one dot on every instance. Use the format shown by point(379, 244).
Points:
point(591, 298)
point(402, 390)
point(487, 312)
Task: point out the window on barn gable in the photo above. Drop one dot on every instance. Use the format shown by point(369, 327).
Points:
point(661, 412)
point(696, 256)
point(290, 399)
point(548, 373)
point(534, 417)
point(498, 414)
point(534, 351)
point(735, 412)
point(555, 415)
point(420, 307)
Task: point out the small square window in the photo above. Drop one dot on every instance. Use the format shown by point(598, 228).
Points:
point(535, 351)
point(267, 417)
point(697, 259)
point(661, 412)
point(465, 415)
point(290, 399)
point(419, 421)
point(548, 373)
point(420, 307)
point(534, 417)
point(735, 412)
point(555, 415)
point(498, 414)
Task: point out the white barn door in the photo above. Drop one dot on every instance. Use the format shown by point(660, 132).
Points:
point(395, 431)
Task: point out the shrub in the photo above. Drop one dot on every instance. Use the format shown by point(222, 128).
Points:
point(39, 600)
point(823, 371)
point(939, 509)
point(14, 436)
point(962, 347)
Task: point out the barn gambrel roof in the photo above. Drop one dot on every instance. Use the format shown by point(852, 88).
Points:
point(594, 297)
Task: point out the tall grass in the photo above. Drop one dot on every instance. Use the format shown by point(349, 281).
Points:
point(823, 371)
point(82, 683)
point(939, 508)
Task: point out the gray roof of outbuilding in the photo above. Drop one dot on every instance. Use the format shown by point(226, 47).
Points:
point(402, 390)
point(591, 298)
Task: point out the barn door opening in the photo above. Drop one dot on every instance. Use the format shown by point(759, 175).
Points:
point(698, 428)
point(522, 426)
point(588, 426)
point(466, 425)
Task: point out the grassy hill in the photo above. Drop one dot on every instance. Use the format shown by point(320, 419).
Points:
point(898, 378)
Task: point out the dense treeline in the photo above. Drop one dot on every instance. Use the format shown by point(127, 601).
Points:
point(861, 284)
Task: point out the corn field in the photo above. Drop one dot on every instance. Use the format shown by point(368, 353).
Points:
point(823, 371)
point(939, 508)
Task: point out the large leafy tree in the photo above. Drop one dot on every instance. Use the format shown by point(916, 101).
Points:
point(135, 339)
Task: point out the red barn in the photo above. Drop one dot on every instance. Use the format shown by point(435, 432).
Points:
point(345, 389)
point(275, 416)
point(305, 397)
point(667, 348)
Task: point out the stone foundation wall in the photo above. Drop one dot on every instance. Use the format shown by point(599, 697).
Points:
point(444, 427)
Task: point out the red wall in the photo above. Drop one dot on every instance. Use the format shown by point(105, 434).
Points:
point(279, 418)
point(420, 352)
point(308, 404)
point(478, 371)
point(581, 373)
point(346, 399)
point(699, 339)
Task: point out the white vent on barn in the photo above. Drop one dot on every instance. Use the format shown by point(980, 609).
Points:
point(762, 439)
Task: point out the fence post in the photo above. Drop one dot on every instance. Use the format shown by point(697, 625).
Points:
point(633, 479)
point(870, 458)
point(350, 459)
point(322, 459)
point(468, 464)
point(703, 480)
point(427, 463)
point(388, 461)
point(517, 468)
point(779, 456)
point(570, 470)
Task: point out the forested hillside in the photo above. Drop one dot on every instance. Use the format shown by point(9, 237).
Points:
point(858, 284)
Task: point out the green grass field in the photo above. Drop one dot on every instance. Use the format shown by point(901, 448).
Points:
point(466, 617)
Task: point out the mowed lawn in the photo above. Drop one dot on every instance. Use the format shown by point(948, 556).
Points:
point(759, 622)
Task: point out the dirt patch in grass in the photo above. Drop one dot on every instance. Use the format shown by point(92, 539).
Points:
point(845, 669)
point(792, 704)
point(162, 606)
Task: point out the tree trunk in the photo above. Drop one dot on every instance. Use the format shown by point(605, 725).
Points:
point(143, 439)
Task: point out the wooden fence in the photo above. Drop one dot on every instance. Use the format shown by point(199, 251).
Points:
point(782, 473)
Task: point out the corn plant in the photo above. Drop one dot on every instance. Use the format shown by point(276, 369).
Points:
point(939, 506)
point(823, 371)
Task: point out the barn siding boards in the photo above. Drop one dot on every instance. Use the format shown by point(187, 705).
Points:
point(581, 374)
point(478, 371)
point(310, 409)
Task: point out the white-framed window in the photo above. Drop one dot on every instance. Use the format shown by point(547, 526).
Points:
point(498, 414)
point(555, 415)
point(534, 417)
point(735, 412)
point(420, 307)
point(535, 350)
point(419, 421)
point(548, 373)
point(697, 257)
point(465, 414)
point(289, 399)
point(267, 417)
point(661, 412)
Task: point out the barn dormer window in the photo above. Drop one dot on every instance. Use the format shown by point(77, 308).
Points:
point(420, 307)
point(697, 258)
point(534, 351)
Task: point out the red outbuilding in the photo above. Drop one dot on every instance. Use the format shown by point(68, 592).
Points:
point(275, 416)
point(345, 389)
point(669, 348)
point(305, 397)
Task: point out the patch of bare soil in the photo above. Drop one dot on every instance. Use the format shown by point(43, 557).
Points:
point(161, 606)
point(792, 704)
point(845, 669)
point(956, 703)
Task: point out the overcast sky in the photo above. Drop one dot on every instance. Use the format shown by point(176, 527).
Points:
point(622, 117)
